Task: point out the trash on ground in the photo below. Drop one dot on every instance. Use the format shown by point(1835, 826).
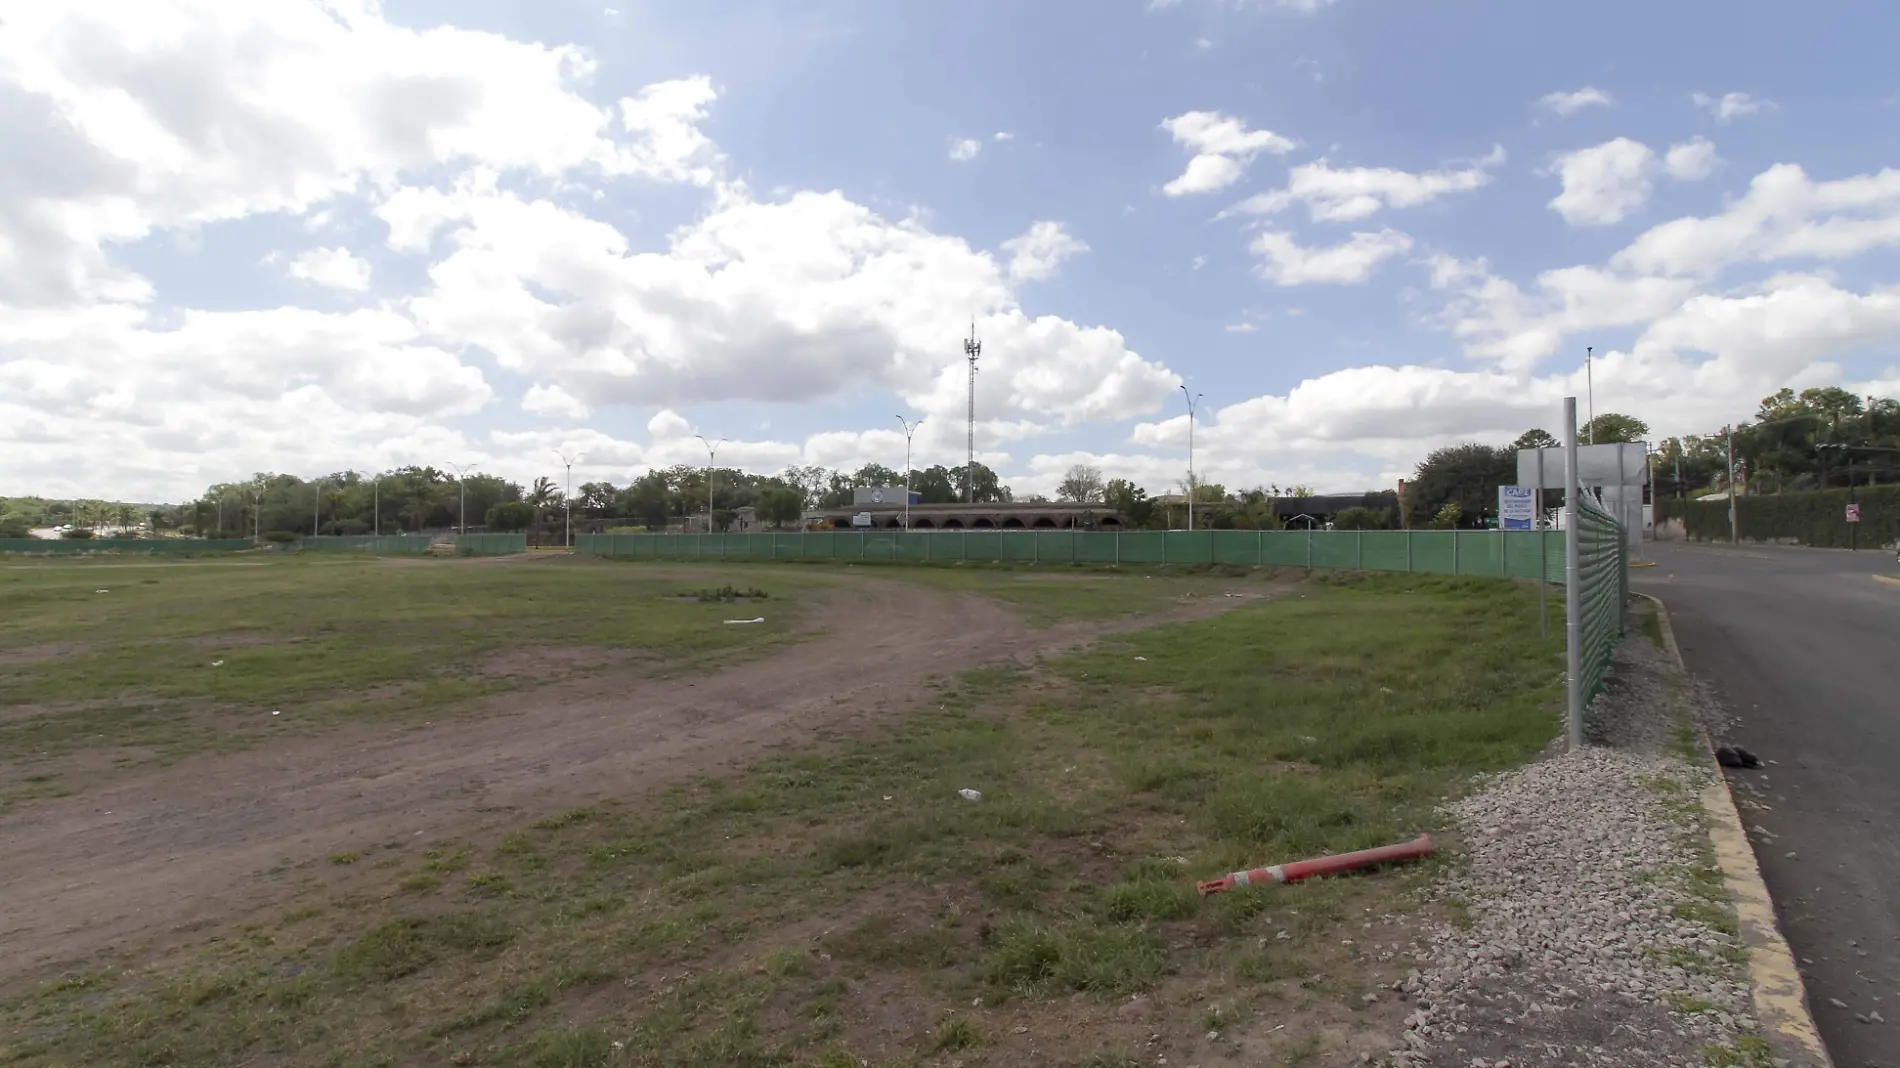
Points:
point(1734, 756)
point(217, 663)
point(1143, 659)
point(277, 712)
point(761, 619)
point(1415, 849)
point(970, 795)
point(102, 591)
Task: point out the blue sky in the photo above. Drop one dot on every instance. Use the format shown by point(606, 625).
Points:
point(303, 235)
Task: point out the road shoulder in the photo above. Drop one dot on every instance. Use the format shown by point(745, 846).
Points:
point(1780, 998)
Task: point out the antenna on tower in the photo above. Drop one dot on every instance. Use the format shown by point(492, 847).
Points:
point(972, 348)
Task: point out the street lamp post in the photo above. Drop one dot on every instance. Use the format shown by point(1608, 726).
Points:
point(568, 498)
point(1192, 400)
point(376, 505)
point(316, 511)
point(910, 430)
point(461, 510)
point(712, 451)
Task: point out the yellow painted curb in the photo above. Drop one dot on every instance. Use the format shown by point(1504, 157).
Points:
point(1888, 579)
point(1781, 1000)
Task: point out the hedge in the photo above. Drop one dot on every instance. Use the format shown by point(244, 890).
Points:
point(1818, 518)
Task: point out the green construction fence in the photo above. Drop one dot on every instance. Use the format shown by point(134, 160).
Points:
point(1486, 553)
point(165, 546)
point(366, 543)
point(491, 544)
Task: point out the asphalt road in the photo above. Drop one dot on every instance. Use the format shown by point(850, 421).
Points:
point(1803, 645)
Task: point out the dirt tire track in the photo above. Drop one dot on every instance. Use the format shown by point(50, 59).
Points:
point(146, 860)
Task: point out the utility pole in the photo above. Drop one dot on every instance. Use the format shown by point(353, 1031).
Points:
point(1192, 400)
point(1589, 381)
point(568, 499)
point(1734, 526)
point(712, 450)
point(461, 510)
point(1573, 587)
point(910, 429)
point(972, 348)
point(316, 515)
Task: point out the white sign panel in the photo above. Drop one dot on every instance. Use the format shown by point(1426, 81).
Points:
point(1517, 508)
point(862, 519)
point(1853, 513)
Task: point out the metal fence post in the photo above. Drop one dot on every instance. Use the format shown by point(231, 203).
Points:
point(1309, 546)
point(1454, 551)
point(1573, 587)
point(1259, 548)
point(1118, 548)
point(1408, 552)
point(1035, 547)
point(1359, 550)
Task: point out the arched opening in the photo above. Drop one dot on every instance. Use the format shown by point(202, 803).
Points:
point(983, 522)
point(1012, 521)
point(895, 523)
point(953, 524)
point(923, 524)
point(1110, 521)
point(1045, 521)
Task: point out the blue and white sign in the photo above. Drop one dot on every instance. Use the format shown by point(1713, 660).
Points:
point(1517, 508)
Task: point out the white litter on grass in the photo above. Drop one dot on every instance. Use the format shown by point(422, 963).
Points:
point(102, 591)
point(1143, 659)
point(970, 795)
point(761, 619)
point(217, 663)
point(277, 713)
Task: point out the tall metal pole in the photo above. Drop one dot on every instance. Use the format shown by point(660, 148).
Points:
point(316, 514)
point(568, 499)
point(1542, 527)
point(376, 504)
point(1573, 588)
point(461, 510)
point(1590, 383)
point(910, 429)
point(712, 450)
point(1734, 525)
point(972, 348)
point(1192, 400)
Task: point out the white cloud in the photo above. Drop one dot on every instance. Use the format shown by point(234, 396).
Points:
point(1784, 215)
point(965, 149)
point(1241, 328)
point(1222, 147)
point(1353, 193)
point(1604, 183)
point(1570, 103)
point(1690, 161)
point(1287, 263)
point(332, 267)
point(1041, 249)
point(664, 120)
point(1730, 106)
point(1001, 136)
point(553, 402)
point(172, 114)
point(668, 424)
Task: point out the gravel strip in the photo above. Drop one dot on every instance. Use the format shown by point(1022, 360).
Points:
point(1595, 936)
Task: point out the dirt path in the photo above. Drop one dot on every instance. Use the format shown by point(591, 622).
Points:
point(194, 845)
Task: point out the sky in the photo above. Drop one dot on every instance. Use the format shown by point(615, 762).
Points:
point(316, 235)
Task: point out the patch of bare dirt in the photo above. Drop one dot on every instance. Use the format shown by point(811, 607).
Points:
point(553, 661)
point(192, 844)
point(41, 652)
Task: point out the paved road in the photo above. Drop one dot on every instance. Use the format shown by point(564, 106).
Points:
point(1804, 646)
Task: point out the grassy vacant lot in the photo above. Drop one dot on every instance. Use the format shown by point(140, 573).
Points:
point(846, 907)
point(114, 658)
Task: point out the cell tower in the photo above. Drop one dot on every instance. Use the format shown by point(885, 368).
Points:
point(972, 348)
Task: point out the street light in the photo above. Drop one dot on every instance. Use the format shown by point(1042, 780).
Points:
point(461, 510)
point(1192, 400)
point(910, 429)
point(569, 499)
point(712, 451)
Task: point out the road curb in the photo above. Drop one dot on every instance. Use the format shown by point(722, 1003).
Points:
point(1780, 997)
point(1888, 579)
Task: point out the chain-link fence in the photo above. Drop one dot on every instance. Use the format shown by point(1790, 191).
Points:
point(1603, 581)
point(1486, 553)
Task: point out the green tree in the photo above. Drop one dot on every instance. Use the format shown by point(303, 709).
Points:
point(649, 500)
point(1447, 517)
point(780, 505)
point(935, 485)
point(984, 488)
point(1466, 475)
point(511, 516)
point(1082, 485)
point(15, 525)
point(877, 475)
point(1536, 439)
point(1131, 501)
point(1363, 519)
point(1611, 428)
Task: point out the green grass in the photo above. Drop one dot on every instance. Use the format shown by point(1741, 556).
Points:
point(746, 920)
point(321, 640)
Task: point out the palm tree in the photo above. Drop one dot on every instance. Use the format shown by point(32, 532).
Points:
point(543, 496)
point(126, 516)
